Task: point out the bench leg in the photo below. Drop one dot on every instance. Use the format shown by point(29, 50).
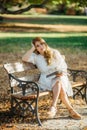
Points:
point(12, 105)
point(85, 94)
point(79, 91)
point(37, 117)
point(33, 110)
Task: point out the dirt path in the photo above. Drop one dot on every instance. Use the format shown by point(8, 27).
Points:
point(66, 123)
point(62, 121)
point(39, 27)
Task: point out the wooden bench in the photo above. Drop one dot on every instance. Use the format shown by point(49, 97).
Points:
point(25, 92)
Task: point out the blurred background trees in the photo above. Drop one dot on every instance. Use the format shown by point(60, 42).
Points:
point(69, 7)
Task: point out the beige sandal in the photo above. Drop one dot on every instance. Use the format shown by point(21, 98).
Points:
point(52, 112)
point(74, 114)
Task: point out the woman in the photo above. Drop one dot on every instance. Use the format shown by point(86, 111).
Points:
point(49, 60)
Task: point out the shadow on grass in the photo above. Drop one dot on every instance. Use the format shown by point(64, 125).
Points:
point(49, 19)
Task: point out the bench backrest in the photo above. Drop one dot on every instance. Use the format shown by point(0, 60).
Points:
point(23, 71)
point(18, 67)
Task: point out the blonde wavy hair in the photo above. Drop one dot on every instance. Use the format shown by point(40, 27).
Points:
point(48, 55)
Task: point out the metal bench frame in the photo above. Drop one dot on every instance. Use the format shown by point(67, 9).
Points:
point(79, 88)
point(26, 100)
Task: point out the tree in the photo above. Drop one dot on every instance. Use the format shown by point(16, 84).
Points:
point(21, 5)
point(6, 6)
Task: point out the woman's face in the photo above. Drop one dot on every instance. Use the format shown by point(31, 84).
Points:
point(40, 47)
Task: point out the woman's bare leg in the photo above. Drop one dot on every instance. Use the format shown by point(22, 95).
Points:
point(65, 100)
point(59, 91)
point(56, 93)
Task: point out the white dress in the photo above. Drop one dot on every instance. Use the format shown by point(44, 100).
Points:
point(58, 63)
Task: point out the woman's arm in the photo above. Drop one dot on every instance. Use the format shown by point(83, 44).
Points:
point(25, 58)
point(61, 65)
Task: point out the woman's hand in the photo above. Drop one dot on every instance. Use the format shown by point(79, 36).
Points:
point(25, 58)
point(59, 74)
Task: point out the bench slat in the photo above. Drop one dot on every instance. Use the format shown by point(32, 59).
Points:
point(78, 84)
point(27, 96)
point(16, 67)
point(31, 77)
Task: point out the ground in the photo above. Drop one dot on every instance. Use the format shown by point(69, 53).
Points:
point(62, 120)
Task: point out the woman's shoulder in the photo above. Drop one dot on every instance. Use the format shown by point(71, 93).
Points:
point(36, 56)
point(56, 53)
point(55, 50)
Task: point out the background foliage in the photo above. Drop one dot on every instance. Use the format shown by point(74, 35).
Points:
point(20, 6)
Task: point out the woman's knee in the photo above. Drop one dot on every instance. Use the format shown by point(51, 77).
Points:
point(57, 84)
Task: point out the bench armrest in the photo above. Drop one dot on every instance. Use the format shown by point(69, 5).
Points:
point(25, 86)
point(75, 73)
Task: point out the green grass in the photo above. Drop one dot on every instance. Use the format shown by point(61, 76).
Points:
point(20, 42)
point(49, 19)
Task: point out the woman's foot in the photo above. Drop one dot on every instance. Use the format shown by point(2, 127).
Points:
point(52, 112)
point(74, 114)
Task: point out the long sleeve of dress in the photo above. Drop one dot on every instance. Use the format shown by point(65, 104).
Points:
point(32, 58)
point(60, 62)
